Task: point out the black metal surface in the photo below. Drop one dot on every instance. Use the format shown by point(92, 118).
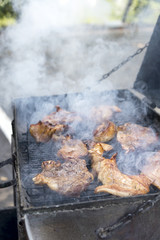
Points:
point(6, 162)
point(148, 78)
point(4, 184)
point(82, 223)
point(30, 154)
point(12, 182)
point(107, 232)
point(8, 224)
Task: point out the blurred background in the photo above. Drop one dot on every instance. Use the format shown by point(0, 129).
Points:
point(53, 47)
point(96, 11)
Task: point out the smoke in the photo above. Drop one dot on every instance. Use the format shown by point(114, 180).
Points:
point(51, 49)
point(64, 12)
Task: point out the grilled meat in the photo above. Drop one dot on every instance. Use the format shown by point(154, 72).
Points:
point(53, 124)
point(43, 131)
point(60, 138)
point(103, 113)
point(96, 155)
point(99, 148)
point(69, 178)
point(72, 148)
point(115, 182)
point(105, 132)
point(61, 116)
point(152, 169)
point(132, 136)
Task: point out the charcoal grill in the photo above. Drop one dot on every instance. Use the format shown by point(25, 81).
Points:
point(44, 214)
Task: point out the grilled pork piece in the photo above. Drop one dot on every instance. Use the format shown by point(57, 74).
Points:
point(103, 113)
point(152, 169)
point(61, 116)
point(43, 131)
point(72, 148)
point(132, 136)
point(53, 124)
point(115, 182)
point(99, 148)
point(105, 132)
point(96, 155)
point(61, 138)
point(69, 178)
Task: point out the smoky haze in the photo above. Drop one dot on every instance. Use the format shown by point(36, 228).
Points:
point(51, 51)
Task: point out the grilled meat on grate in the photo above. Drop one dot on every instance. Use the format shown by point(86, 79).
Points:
point(105, 132)
point(113, 180)
point(43, 131)
point(61, 116)
point(53, 124)
point(72, 177)
point(69, 178)
point(103, 113)
point(72, 148)
point(60, 137)
point(152, 169)
point(132, 136)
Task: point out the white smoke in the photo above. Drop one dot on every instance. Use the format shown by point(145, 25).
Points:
point(50, 50)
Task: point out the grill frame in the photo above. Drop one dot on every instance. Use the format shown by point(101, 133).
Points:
point(93, 202)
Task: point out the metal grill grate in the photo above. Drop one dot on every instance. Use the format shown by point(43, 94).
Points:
point(31, 154)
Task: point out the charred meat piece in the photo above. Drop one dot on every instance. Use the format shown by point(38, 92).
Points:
point(73, 148)
point(53, 124)
point(61, 116)
point(132, 136)
point(43, 131)
point(105, 132)
point(103, 113)
point(115, 182)
point(152, 169)
point(69, 178)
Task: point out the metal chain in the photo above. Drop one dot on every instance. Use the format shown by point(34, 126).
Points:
point(107, 232)
point(139, 50)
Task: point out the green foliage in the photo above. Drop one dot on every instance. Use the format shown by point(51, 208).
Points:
point(135, 9)
point(149, 10)
point(7, 14)
point(117, 9)
point(6, 9)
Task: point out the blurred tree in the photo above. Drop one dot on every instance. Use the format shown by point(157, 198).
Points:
point(7, 13)
point(129, 11)
point(133, 8)
point(6, 9)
